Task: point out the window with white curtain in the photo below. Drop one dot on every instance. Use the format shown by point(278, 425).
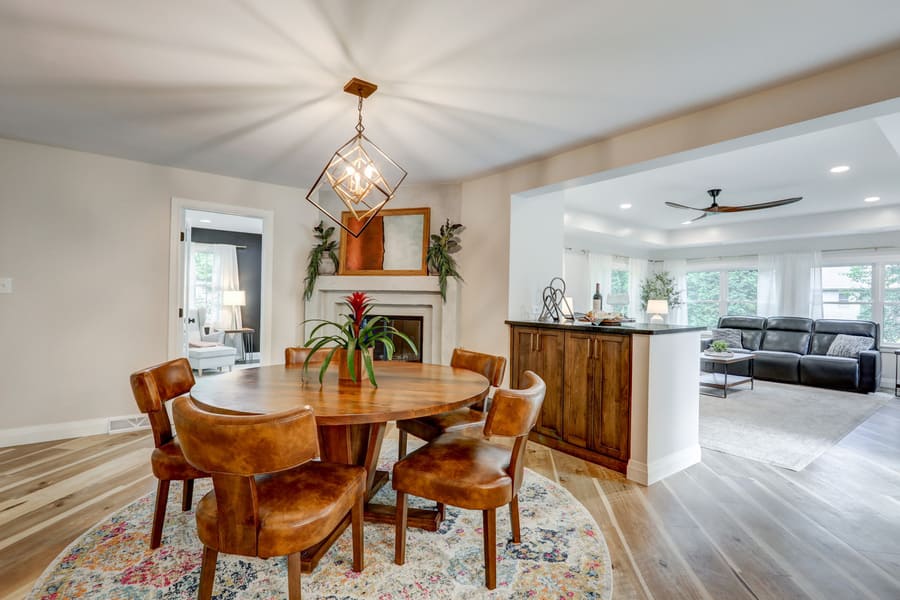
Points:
point(864, 289)
point(719, 292)
point(620, 284)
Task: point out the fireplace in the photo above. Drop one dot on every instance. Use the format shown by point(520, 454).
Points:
point(411, 327)
point(400, 296)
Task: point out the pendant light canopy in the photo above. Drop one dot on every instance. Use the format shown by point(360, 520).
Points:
point(360, 178)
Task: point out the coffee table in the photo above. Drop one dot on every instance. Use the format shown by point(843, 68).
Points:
point(723, 381)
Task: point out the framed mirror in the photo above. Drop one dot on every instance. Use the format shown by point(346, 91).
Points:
point(395, 242)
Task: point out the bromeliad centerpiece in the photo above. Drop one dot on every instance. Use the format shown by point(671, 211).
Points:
point(353, 340)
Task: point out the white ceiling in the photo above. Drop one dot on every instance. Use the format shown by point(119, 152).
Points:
point(797, 166)
point(253, 89)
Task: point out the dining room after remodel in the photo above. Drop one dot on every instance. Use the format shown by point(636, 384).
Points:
point(429, 299)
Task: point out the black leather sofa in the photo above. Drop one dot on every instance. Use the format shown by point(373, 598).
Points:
point(795, 350)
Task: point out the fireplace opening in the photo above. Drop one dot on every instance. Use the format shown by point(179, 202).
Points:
point(409, 326)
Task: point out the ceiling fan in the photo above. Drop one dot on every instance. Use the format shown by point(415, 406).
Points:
point(716, 208)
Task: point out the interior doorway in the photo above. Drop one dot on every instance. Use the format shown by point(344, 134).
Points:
point(220, 285)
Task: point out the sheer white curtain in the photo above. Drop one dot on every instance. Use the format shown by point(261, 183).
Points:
point(790, 285)
point(578, 279)
point(637, 272)
point(210, 275)
point(677, 268)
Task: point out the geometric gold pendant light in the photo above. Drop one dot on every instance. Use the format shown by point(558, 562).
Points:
point(360, 178)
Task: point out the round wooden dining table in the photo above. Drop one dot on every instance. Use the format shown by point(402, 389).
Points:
point(351, 417)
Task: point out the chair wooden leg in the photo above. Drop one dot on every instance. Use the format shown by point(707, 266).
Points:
point(293, 561)
point(356, 524)
point(514, 519)
point(401, 445)
point(207, 573)
point(441, 511)
point(400, 530)
point(187, 494)
point(490, 547)
point(159, 513)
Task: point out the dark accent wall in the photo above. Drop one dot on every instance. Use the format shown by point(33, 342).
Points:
point(249, 269)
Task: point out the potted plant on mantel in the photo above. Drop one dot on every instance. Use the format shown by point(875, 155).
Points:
point(440, 260)
point(354, 340)
point(323, 259)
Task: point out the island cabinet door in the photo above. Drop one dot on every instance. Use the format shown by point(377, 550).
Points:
point(579, 382)
point(541, 351)
point(611, 423)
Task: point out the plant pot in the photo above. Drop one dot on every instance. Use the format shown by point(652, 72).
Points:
point(359, 366)
point(327, 266)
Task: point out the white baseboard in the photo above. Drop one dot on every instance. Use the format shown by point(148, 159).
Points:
point(59, 431)
point(647, 474)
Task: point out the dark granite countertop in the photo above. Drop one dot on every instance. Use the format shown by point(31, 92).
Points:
point(623, 329)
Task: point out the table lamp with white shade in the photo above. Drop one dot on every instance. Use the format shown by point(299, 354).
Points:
point(234, 299)
point(657, 308)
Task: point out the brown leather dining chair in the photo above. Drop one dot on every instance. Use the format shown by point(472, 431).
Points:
point(474, 473)
point(152, 388)
point(428, 428)
point(296, 355)
point(270, 497)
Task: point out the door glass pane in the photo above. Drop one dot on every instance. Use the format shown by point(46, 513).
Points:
point(702, 286)
point(742, 285)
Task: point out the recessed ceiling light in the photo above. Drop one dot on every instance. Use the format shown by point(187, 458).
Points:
point(839, 169)
point(205, 221)
point(686, 222)
point(625, 206)
point(872, 199)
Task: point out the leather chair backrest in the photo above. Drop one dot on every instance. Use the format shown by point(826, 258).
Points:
point(787, 334)
point(491, 366)
point(514, 412)
point(752, 329)
point(296, 355)
point(245, 445)
point(825, 330)
point(155, 386)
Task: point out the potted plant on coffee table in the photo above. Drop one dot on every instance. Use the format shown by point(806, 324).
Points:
point(353, 340)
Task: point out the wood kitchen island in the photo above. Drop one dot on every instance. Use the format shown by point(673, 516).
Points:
point(623, 396)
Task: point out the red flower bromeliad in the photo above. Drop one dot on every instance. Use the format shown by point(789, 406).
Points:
point(359, 303)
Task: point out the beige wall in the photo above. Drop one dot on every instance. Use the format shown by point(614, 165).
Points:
point(485, 201)
point(86, 240)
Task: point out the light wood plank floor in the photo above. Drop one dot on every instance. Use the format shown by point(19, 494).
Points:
point(726, 528)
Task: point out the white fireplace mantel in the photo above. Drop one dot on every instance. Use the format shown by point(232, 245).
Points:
point(395, 295)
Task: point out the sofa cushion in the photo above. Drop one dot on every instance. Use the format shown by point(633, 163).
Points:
point(787, 334)
point(777, 366)
point(211, 352)
point(829, 371)
point(751, 328)
point(827, 329)
point(732, 337)
point(849, 346)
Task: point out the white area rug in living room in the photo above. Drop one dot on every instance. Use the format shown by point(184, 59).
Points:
point(784, 425)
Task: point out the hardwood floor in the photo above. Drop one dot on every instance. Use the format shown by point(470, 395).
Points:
point(726, 528)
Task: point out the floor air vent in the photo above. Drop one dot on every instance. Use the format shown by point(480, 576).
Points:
point(120, 424)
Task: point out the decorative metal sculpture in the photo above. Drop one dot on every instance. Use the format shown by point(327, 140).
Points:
point(554, 301)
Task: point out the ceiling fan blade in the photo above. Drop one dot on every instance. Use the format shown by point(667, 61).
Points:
point(703, 216)
point(761, 205)
point(674, 205)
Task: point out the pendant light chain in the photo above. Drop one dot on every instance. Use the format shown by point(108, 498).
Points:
point(359, 125)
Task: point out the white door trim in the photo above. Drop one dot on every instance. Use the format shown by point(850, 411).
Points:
point(176, 269)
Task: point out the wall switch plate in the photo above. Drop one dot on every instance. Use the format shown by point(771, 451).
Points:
point(5, 285)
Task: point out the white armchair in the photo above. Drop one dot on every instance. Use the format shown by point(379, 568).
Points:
point(207, 351)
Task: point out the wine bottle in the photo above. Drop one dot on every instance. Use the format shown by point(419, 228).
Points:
point(597, 304)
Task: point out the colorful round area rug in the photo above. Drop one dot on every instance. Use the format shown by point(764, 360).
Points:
point(562, 555)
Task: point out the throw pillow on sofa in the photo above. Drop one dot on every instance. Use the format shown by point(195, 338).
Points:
point(849, 346)
point(732, 337)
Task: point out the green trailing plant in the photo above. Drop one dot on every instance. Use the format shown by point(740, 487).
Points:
point(719, 346)
point(357, 331)
point(325, 246)
point(441, 249)
point(660, 286)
